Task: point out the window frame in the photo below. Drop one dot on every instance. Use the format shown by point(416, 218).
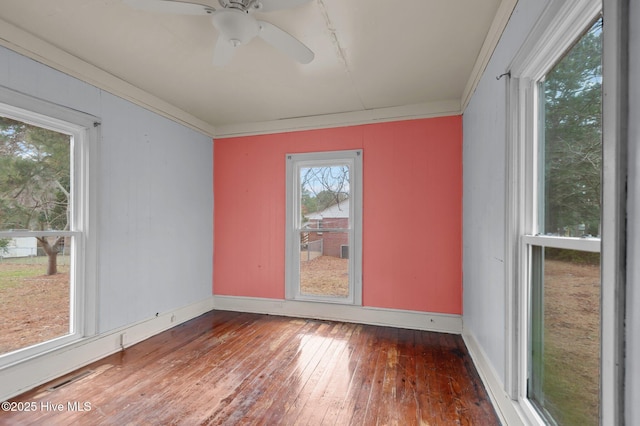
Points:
point(294, 162)
point(533, 240)
point(559, 26)
point(83, 130)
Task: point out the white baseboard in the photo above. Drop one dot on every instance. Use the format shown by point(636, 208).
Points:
point(506, 408)
point(443, 323)
point(29, 373)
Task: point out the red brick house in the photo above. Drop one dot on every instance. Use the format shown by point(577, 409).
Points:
point(334, 221)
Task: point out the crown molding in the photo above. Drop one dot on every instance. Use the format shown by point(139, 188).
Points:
point(351, 118)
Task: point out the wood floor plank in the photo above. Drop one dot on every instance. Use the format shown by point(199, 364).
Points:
point(333, 384)
point(312, 404)
point(258, 368)
point(339, 380)
point(263, 389)
point(174, 374)
point(355, 407)
point(376, 404)
point(311, 350)
point(186, 383)
point(227, 368)
point(405, 378)
point(359, 347)
point(225, 384)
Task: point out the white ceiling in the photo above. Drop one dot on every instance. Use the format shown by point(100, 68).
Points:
point(374, 59)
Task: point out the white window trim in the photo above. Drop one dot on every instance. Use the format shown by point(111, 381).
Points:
point(615, 118)
point(292, 251)
point(559, 26)
point(567, 243)
point(84, 131)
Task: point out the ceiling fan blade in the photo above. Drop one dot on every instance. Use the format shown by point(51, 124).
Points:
point(284, 41)
point(271, 5)
point(169, 6)
point(223, 52)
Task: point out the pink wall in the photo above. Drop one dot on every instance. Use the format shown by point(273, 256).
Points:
point(412, 212)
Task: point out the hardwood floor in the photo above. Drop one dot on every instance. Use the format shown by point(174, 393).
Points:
point(227, 368)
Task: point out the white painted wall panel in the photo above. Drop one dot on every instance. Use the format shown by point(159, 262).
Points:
point(158, 206)
point(484, 126)
point(632, 366)
point(155, 194)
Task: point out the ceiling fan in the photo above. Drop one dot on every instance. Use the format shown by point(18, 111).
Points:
point(235, 24)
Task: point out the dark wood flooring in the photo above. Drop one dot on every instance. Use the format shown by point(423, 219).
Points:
point(226, 368)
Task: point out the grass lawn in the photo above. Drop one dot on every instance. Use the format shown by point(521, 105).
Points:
point(572, 342)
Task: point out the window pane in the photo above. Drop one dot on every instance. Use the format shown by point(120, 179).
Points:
point(35, 195)
point(35, 305)
point(571, 148)
point(35, 177)
point(564, 382)
point(324, 264)
point(324, 204)
point(324, 199)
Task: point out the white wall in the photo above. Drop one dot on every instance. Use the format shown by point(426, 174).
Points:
point(156, 214)
point(632, 384)
point(484, 145)
point(155, 203)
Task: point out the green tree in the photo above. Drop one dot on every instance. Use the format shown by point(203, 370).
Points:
point(573, 138)
point(327, 198)
point(308, 202)
point(4, 245)
point(35, 182)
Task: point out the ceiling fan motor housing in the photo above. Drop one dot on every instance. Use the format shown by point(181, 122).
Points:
point(235, 25)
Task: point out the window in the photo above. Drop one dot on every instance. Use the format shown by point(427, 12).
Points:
point(563, 354)
point(323, 246)
point(562, 239)
point(563, 242)
point(46, 284)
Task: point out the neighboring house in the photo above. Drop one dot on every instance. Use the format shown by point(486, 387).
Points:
point(20, 247)
point(334, 243)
